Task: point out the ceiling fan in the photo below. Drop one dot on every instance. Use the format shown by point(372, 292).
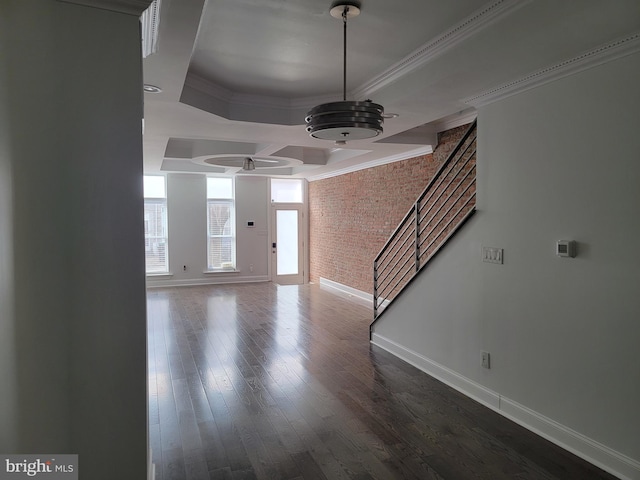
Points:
point(250, 163)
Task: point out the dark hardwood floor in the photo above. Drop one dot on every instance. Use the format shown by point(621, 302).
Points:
point(280, 382)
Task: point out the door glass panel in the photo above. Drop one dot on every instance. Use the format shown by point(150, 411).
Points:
point(286, 190)
point(287, 242)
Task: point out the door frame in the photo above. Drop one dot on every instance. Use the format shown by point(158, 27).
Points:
point(303, 235)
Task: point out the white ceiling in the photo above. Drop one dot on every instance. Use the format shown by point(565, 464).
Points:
point(238, 76)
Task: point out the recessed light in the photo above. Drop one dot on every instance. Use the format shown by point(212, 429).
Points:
point(151, 88)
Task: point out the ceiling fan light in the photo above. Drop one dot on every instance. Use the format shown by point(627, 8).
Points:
point(248, 164)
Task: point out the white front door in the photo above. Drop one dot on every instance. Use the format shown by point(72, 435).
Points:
point(287, 245)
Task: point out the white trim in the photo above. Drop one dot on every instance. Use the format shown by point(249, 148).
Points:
point(351, 292)
point(130, 7)
point(604, 53)
point(230, 97)
point(594, 452)
point(479, 20)
point(454, 121)
point(213, 280)
point(220, 271)
point(373, 163)
point(445, 375)
point(442, 125)
point(207, 87)
point(151, 467)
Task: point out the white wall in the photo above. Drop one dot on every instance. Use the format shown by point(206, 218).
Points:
point(71, 228)
point(35, 425)
point(8, 374)
point(557, 162)
point(253, 204)
point(187, 218)
point(186, 215)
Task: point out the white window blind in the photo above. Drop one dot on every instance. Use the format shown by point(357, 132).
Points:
point(221, 241)
point(155, 224)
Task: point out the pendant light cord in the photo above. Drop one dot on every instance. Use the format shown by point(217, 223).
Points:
point(344, 56)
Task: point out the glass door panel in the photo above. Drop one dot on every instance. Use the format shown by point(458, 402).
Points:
point(287, 242)
point(286, 248)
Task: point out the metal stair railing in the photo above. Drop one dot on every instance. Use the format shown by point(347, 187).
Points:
point(442, 208)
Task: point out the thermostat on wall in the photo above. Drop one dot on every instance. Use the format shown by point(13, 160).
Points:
point(566, 248)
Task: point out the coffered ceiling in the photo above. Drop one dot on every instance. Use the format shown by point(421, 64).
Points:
point(238, 76)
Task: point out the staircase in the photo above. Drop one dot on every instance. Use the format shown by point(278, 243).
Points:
point(447, 202)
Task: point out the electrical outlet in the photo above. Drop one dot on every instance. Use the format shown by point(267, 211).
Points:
point(184, 268)
point(486, 360)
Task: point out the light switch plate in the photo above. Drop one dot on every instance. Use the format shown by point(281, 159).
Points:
point(486, 360)
point(492, 255)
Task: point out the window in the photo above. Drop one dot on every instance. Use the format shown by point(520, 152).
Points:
point(155, 224)
point(221, 242)
point(285, 190)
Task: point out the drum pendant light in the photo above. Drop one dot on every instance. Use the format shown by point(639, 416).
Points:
point(345, 120)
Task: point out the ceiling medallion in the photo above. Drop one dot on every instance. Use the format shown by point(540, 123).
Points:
point(345, 120)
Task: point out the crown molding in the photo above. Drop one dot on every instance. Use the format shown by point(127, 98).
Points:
point(480, 20)
point(598, 56)
point(447, 123)
point(453, 121)
point(206, 86)
point(373, 163)
point(130, 7)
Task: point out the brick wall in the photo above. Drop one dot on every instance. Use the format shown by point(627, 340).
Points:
point(351, 216)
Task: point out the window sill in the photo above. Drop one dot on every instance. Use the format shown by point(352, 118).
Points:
point(159, 275)
point(221, 270)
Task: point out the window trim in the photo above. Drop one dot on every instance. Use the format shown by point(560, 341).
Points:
point(165, 221)
point(231, 203)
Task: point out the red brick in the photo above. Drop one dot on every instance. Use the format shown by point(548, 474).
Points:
point(353, 215)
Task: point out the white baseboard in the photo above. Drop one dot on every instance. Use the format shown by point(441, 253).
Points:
point(594, 452)
point(217, 280)
point(151, 467)
point(350, 292)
